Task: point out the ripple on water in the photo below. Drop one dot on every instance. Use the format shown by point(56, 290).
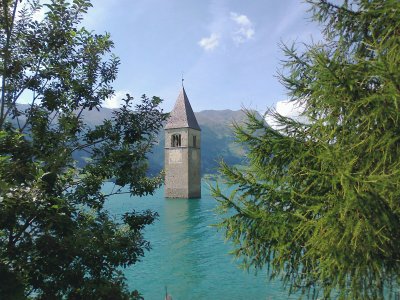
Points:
point(188, 255)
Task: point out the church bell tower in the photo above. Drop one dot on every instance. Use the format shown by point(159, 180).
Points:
point(182, 151)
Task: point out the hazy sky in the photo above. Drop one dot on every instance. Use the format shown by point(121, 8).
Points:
point(228, 50)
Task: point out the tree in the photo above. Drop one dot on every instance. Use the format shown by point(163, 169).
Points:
point(318, 202)
point(56, 239)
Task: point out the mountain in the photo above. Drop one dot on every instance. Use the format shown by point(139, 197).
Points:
point(217, 141)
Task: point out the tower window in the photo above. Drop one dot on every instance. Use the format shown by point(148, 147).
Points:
point(194, 141)
point(176, 140)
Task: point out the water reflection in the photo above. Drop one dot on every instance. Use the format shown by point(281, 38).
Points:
point(189, 256)
point(184, 224)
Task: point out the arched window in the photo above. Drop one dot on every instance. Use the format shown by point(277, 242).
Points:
point(176, 140)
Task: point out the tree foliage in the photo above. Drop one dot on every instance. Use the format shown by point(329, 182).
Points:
point(56, 240)
point(318, 202)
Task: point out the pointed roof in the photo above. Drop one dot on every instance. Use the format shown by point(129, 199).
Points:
point(182, 115)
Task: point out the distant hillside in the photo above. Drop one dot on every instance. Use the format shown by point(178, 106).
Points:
point(217, 141)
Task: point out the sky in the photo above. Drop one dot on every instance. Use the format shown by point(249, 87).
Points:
point(226, 50)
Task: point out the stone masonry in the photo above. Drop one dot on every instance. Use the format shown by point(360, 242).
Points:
point(182, 151)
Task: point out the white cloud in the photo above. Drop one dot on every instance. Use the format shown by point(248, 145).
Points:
point(287, 108)
point(227, 27)
point(40, 14)
point(242, 20)
point(37, 14)
point(210, 43)
point(245, 30)
point(115, 101)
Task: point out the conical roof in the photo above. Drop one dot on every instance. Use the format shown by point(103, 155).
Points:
point(182, 115)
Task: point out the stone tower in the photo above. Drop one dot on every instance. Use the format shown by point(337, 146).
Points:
point(182, 151)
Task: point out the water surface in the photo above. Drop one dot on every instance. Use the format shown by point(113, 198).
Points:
point(188, 255)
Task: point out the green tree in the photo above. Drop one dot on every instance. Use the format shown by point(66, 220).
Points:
point(318, 202)
point(56, 239)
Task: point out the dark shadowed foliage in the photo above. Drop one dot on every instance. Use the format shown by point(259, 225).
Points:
point(56, 240)
point(318, 203)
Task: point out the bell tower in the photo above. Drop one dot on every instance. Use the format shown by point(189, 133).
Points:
point(182, 151)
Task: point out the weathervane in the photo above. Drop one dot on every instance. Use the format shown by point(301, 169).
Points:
point(182, 79)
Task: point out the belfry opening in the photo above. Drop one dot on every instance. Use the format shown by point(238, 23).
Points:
point(182, 151)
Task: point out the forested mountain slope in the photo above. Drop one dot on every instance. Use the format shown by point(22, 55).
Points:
point(217, 141)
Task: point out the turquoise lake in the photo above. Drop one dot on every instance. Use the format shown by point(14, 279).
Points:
point(188, 255)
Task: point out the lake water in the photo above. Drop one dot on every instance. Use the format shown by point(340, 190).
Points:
point(188, 255)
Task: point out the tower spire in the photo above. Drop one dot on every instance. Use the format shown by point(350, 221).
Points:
point(182, 151)
point(182, 115)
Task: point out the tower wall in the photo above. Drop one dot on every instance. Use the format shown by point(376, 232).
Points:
point(182, 163)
